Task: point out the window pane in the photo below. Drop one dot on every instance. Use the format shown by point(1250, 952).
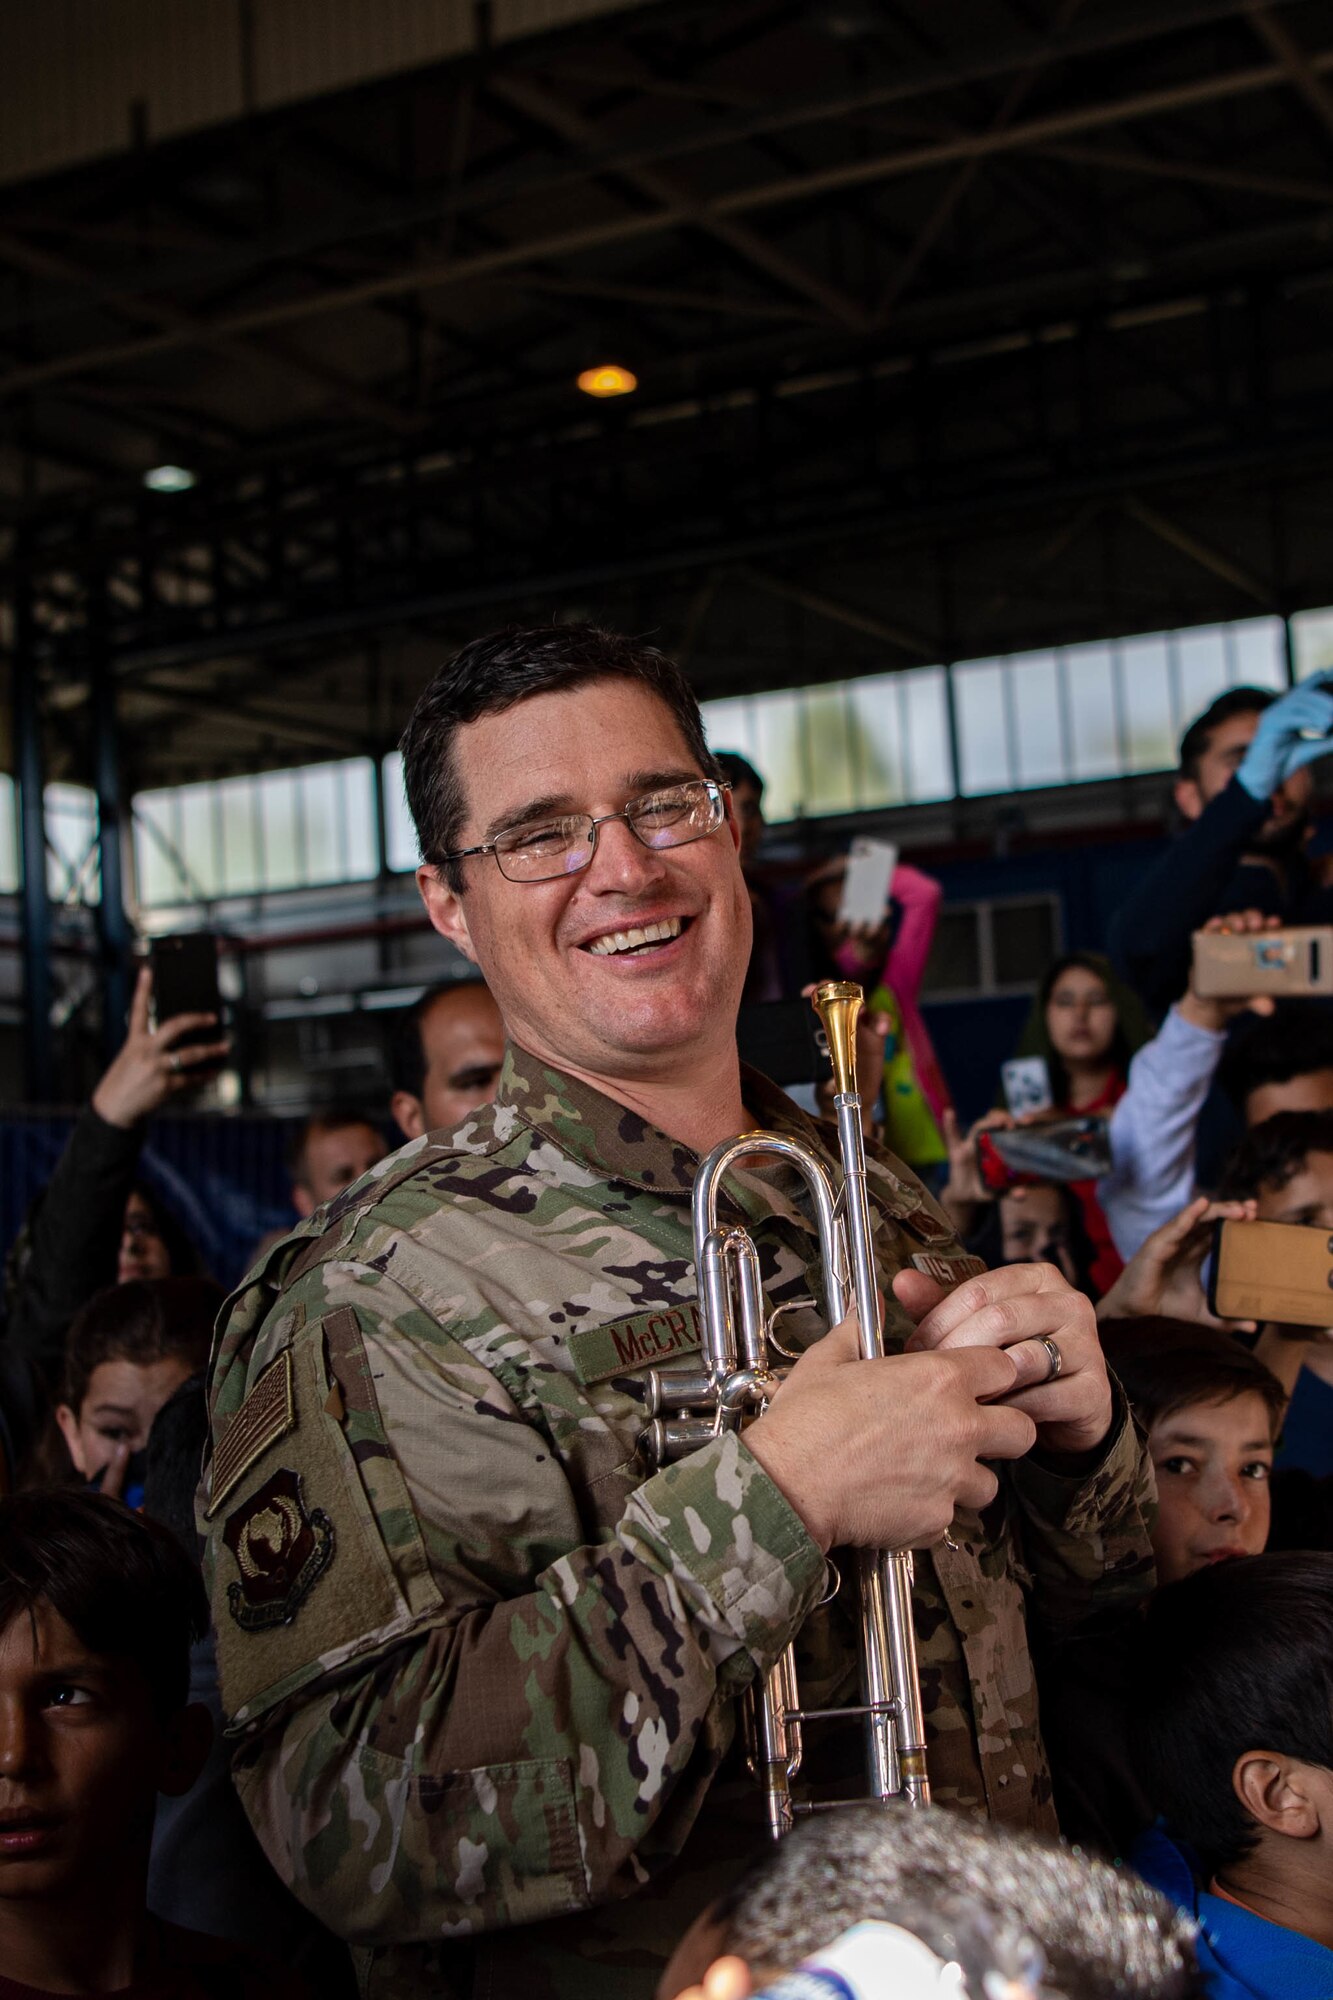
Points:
point(324, 857)
point(400, 836)
point(1312, 642)
point(830, 786)
point(873, 709)
point(1090, 694)
point(71, 827)
point(982, 727)
point(1036, 698)
point(9, 836)
point(1150, 736)
point(729, 725)
point(1202, 672)
point(242, 854)
point(777, 753)
point(282, 848)
point(1257, 653)
point(155, 878)
point(358, 808)
point(199, 838)
point(926, 734)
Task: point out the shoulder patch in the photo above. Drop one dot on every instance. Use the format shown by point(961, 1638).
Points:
point(282, 1548)
point(267, 1414)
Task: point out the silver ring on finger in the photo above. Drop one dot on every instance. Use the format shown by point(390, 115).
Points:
point(1055, 1359)
point(174, 1063)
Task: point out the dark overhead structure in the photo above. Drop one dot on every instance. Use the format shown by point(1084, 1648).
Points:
point(958, 329)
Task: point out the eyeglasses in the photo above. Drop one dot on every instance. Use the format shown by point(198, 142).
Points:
point(671, 818)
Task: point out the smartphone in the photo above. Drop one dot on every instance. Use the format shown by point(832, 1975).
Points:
point(1069, 1149)
point(185, 981)
point(1027, 1085)
point(784, 1039)
point(865, 885)
point(1272, 1270)
point(1239, 965)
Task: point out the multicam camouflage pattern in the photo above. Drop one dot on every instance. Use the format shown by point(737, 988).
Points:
point(492, 1743)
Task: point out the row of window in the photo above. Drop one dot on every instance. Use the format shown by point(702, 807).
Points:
point(1103, 710)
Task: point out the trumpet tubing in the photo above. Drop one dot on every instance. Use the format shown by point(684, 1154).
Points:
point(736, 1384)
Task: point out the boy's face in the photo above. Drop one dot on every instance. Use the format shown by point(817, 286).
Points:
point(82, 1758)
point(1034, 1229)
point(1213, 1462)
point(1306, 1198)
point(122, 1400)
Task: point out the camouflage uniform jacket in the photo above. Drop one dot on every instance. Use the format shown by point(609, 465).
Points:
point(478, 1660)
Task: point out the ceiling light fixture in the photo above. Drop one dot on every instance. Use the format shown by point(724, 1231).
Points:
point(168, 479)
point(610, 379)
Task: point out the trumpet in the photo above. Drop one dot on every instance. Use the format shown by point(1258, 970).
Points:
point(737, 1382)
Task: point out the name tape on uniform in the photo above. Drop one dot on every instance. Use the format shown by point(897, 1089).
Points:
point(639, 1341)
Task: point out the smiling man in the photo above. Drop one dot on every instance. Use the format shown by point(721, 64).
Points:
point(481, 1660)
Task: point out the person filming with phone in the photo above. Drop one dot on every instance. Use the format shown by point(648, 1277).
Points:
point(1243, 791)
point(97, 1223)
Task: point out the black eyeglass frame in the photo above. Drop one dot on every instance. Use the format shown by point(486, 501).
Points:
point(716, 788)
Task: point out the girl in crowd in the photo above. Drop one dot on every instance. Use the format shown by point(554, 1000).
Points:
point(888, 959)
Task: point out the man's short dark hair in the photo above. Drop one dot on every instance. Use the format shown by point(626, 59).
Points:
point(1296, 1041)
point(407, 1052)
point(1236, 701)
point(332, 1118)
point(1164, 1365)
point(146, 1320)
point(738, 770)
point(491, 675)
point(951, 1881)
point(1271, 1154)
point(120, 1582)
point(1236, 1657)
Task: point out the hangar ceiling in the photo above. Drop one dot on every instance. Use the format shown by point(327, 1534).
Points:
point(958, 330)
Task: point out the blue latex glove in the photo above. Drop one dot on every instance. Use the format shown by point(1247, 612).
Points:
point(1278, 747)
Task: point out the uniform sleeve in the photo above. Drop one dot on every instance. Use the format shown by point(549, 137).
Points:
point(473, 1717)
point(1085, 1536)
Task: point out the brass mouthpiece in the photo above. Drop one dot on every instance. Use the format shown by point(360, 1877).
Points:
point(838, 1003)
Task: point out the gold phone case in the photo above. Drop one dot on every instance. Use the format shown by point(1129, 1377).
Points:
point(1272, 1271)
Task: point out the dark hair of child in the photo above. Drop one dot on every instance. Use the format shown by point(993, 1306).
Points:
point(120, 1582)
point(1237, 1657)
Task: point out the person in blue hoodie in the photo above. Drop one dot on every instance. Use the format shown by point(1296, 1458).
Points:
point(1234, 1741)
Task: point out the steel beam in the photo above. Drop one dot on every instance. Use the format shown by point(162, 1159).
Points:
point(451, 272)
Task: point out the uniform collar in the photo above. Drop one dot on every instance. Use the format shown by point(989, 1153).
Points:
point(617, 1144)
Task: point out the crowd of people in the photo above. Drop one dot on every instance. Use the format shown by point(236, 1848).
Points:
point(349, 1641)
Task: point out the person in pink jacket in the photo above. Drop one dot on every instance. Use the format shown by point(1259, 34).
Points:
point(889, 960)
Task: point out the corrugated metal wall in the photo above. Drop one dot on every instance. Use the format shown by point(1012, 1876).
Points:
point(79, 79)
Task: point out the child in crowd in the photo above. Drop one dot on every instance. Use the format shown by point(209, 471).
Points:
point(1233, 1702)
point(1212, 1414)
point(959, 1899)
point(889, 960)
point(127, 1350)
point(97, 1611)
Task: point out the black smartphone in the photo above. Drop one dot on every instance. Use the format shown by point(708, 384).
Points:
point(185, 981)
point(784, 1039)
